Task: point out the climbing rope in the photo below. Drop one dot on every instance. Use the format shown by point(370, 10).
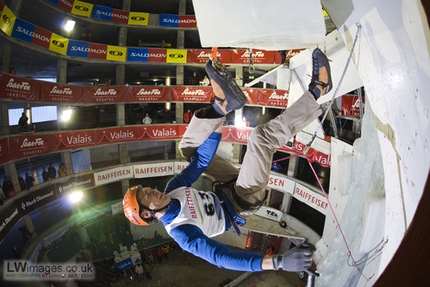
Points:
point(335, 92)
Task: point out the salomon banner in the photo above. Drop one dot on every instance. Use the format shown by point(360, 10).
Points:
point(192, 94)
point(58, 93)
point(58, 44)
point(74, 140)
point(30, 33)
point(116, 53)
point(20, 89)
point(138, 18)
point(178, 21)
point(29, 145)
point(148, 94)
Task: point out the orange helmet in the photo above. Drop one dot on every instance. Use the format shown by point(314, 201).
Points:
point(131, 206)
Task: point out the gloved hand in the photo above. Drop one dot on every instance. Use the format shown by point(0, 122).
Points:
point(296, 259)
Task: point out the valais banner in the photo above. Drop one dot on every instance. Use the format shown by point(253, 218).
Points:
point(74, 140)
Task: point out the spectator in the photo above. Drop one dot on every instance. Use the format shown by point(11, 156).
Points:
point(62, 170)
point(22, 184)
point(205, 82)
point(246, 122)
point(52, 171)
point(193, 79)
point(147, 120)
point(165, 250)
point(45, 175)
point(187, 116)
point(276, 167)
point(12, 69)
point(8, 188)
point(140, 273)
point(2, 198)
point(147, 269)
point(29, 181)
point(17, 253)
point(23, 123)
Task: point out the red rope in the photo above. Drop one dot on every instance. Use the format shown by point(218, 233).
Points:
point(337, 221)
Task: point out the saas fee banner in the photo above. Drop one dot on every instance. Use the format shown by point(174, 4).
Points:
point(58, 93)
point(105, 94)
point(273, 98)
point(192, 94)
point(17, 88)
point(201, 56)
point(242, 56)
point(148, 94)
point(30, 33)
point(28, 146)
point(74, 140)
point(116, 135)
point(4, 150)
point(158, 132)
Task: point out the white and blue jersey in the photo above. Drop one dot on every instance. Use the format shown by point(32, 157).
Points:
point(193, 216)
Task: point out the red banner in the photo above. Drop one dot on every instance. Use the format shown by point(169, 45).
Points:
point(97, 51)
point(158, 132)
point(157, 55)
point(273, 98)
point(313, 155)
point(57, 93)
point(20, 89)
point(192, 94)
point(120, 16)
point(105, 94)
point(42, 37)
point(115, 135)
point(28, 146)
point(187, 21)
point(242, 56)
point(351, 106)
point(236, 135)
point(148, 94)
point(74, 140)
point(4, 151)
point(201, 56)
point(65, 5)
point(251, 95)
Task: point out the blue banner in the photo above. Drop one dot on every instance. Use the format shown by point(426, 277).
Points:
point(23, 30)
point(168, 20)
point(137, 54)
point(78, 48)
point(102, 13)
